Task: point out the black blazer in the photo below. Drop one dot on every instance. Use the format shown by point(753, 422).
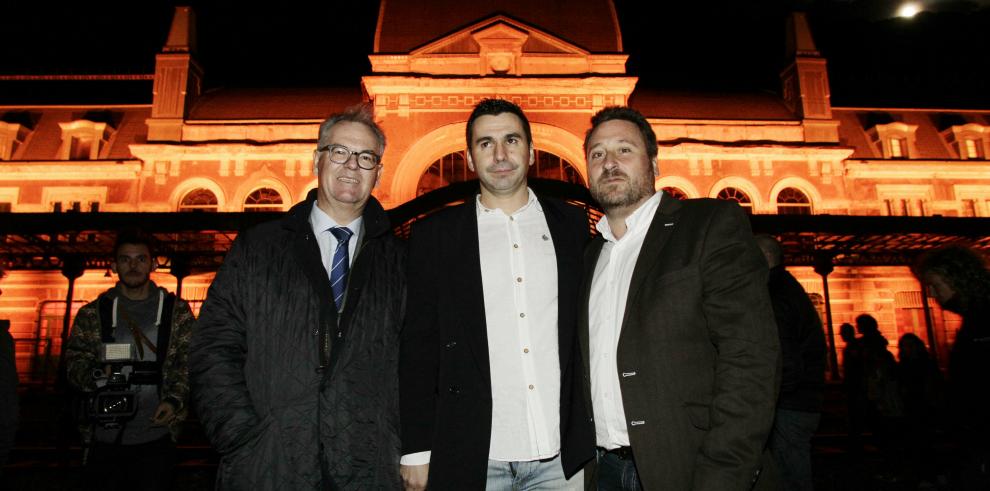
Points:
point(698, 351)
point(445, 379)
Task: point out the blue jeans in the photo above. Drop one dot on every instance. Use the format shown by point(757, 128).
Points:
point(616, 473)
point(531, 475)
point(790, 444)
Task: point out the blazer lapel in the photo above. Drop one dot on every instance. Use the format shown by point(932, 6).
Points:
point(661, 228)
point(465, 275)
point(564, 249)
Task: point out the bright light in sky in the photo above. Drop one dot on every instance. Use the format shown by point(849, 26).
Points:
point(908, 10)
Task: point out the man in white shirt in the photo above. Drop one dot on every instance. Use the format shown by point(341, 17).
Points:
point(489, 357)
point(677, 327)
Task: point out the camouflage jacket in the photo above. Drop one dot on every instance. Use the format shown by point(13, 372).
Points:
point(83, 347)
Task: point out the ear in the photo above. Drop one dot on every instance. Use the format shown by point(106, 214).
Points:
point(470, 161)
point(316, 162)
point(654, 168)
point(378, 176)
point(532, 155)
point(154, 264)
point(113, 267)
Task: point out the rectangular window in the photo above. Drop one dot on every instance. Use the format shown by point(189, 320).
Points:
point(897, 148)
point(971, 149)
point(969, 208)
point(80, 148)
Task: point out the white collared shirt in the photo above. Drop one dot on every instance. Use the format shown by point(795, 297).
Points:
point(609, 292)
point(519, 278)
point(322, 223)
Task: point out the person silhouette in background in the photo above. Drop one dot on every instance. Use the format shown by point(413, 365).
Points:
point(802, 387)
point(957, 278)
point(920, 386)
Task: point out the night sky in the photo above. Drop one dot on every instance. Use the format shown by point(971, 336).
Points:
point(940, 58)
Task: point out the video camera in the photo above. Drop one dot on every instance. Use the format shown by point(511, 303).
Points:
point(114, 402)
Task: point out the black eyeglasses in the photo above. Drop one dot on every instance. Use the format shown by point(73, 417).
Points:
point(340, 154)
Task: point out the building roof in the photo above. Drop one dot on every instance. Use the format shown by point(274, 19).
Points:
point(929, 139)
point(409, 24)
point(712, 106)
point(126, 125)
point(269, 104)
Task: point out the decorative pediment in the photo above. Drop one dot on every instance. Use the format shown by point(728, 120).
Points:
point(499, 46)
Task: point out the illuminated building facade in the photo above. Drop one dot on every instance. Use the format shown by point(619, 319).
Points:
point(234, 150)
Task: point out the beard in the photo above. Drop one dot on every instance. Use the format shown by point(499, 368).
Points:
point(134, 279)
point(622, 193)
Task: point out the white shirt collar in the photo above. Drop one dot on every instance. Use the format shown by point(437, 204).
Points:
point(322, 222)
point(530, 202)
point(637, 221)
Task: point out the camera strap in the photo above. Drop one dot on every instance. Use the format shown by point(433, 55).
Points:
point(140, 339)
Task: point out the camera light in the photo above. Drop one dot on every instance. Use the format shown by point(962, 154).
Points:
point(117, 352)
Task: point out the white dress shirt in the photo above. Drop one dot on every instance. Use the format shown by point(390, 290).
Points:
point(519, 278)
point(609, 289)
point(322, 223)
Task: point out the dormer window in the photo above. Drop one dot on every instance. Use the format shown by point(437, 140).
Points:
point(969, 140)
point(84, 140)
point(12, 135)
point(895, 140)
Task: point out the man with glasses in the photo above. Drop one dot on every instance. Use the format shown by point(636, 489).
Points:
point(294, 360)
point(489, 357)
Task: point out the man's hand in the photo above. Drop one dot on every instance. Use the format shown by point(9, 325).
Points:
point(414, 476)
point(164, 414)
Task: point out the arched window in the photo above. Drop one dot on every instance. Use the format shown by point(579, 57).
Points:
point(791, 201)
point(263, 199)
point(199, 199)
point(675, 193)
point(452, 168)
point(735, 194)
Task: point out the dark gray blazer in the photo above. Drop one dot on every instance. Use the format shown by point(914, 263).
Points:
point(698, 348)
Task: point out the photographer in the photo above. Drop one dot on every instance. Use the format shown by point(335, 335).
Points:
point(133, 449)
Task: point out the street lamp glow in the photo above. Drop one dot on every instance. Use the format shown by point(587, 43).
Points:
point(908, 10)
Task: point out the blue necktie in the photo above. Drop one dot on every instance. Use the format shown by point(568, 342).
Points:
point(338, 269)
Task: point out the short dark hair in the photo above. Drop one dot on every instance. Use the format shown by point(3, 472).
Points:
point(866, 323)
point(360, 113)
point(494, 107)
point(961, 267)
point(624, 113)
point(132, 237)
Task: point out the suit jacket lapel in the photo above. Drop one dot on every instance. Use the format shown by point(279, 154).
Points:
point(465, 274)
point(661, 228)
point(564, 249)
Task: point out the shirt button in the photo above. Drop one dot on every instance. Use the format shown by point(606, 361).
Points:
point(525, 350)
point(531, 386)
point(515, 246)
point(521, 314)
point(545, 237)
point(512, 219)
point(519, 279)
